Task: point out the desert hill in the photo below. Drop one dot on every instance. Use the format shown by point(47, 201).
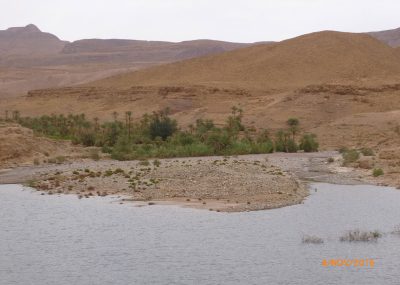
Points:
point(135, 46)
point(28, 40)
point(390, 37)
point(324, 57)
point(31, 59)
point(328, 80)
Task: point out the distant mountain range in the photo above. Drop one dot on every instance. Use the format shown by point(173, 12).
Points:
point(390, 37)
point(28, 46)
point(32, 59)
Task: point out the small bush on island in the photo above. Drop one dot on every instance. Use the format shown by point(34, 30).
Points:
point(159, 136)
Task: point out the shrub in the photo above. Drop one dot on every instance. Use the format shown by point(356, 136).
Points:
point(122, 149)
point(264, 147)
point(182, 138)
point(377, 172)
point(308, 143)
point(108, 173)
point(87, 139)
point(331, 160)
point(162, 126)
point(350, 156)
point(218, 140)
point(119, 171)
point(144, 163)
point(367, 152)
point(284, 143)
point(60, 159)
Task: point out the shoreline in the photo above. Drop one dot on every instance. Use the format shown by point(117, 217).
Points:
point(222, 184)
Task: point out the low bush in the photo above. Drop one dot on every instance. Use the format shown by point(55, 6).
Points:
point(60, 159)
point(367, 152)
point(308, 143)
point(350, 156)
point(377, 172)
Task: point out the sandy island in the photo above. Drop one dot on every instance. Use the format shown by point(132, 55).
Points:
point(226, 184)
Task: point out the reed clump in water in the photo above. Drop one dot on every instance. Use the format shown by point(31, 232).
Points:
point(312, 240)
point(357, 235)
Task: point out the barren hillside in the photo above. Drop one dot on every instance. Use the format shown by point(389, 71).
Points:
point(28, 40)
point(31, 59)
point(22, 147)
point(324, 57)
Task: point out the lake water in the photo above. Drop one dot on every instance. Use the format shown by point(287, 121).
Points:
point(62, 240)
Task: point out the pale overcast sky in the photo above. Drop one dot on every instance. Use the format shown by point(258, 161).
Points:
point(177, 20)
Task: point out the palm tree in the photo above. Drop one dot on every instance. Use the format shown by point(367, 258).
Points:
point(96, 124)
point(16, 115)
point(293, 124)
point(128, 122)
point(115, 115)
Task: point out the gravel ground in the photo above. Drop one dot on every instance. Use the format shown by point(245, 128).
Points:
point(230, 184)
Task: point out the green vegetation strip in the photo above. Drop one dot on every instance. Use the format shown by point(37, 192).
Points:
point(158, 135)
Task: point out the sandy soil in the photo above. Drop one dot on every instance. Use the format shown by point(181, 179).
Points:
point(19, 146)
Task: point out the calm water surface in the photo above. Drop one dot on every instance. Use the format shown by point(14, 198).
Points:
point(63, 240)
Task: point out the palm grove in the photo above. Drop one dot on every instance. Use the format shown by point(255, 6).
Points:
point(158, 135)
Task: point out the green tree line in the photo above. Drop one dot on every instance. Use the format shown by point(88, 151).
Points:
point(158, 135)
